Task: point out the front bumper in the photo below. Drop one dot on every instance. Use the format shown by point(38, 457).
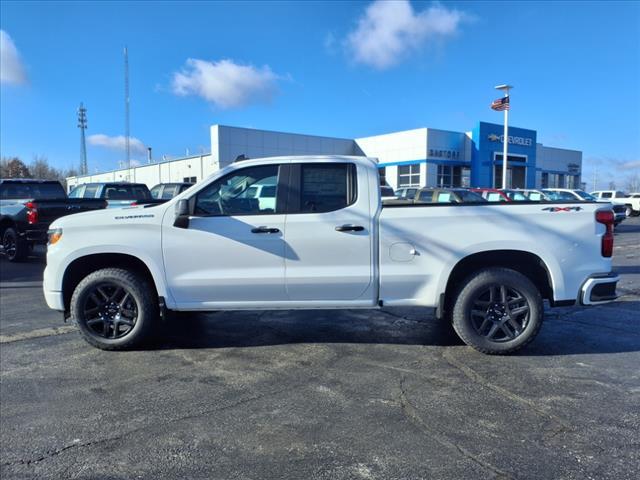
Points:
point(597, 290)
point(54, 300)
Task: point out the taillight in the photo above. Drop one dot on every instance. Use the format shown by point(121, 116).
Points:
point(606, 217)
point(32, 213)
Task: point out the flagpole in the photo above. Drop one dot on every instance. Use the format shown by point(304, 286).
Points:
point(505, 146)
point(505, 140)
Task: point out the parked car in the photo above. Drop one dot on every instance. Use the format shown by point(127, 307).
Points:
point(27, 207)
point(117, 194)
point(562, 194)
point(616, 197)
point(330, 243)
point(448, 195)
point(491, 194)
point(408, 193)
point(166, 191)
point(557, 194)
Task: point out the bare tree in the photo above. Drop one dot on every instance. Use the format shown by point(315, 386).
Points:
point(40, 168)
point(612, 185)
point(13, 168)
point(633, 183)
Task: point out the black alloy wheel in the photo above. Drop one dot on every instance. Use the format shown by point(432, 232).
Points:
point(110, 311)
point(500, 313)
point(9, 245)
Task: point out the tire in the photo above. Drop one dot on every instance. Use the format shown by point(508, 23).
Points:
point(479, 306)
point(628, 211)
point(115, 309)
point(635, 213)
point(14, 248)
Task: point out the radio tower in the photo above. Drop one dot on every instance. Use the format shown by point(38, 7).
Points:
point(126, 108)
point(82, 125)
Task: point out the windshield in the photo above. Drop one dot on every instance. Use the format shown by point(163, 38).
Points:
point(585, 196)
point(516, 196)
point(467, 196)
point(560, 195)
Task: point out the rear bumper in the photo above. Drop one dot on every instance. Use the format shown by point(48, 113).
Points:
point(597, 290)
point(37, 236)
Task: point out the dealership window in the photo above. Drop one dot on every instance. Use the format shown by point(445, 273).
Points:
point(572, 181)
point(544, 182)
point(383, 175)
point(409, 175)
point(449, 176)
point(190, 179)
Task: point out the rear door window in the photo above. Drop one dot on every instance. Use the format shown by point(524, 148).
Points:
point(326, 187)
point(444, 197)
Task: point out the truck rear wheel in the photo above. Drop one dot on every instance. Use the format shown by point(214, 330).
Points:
point(114, 308)
point(14, 248)
point(497, 311)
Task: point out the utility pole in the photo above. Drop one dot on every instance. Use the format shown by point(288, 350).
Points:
point(126, 108)
point(82, 125)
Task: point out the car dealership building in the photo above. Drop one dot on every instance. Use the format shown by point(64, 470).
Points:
point(421, 157)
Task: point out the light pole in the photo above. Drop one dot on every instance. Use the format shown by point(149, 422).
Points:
point(505, 141)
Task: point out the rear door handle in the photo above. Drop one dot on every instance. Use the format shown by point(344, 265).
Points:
point(349, 228)
point(265, 230)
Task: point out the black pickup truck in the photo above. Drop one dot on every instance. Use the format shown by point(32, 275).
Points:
point(27, 208)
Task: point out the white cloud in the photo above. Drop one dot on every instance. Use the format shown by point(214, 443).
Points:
point(11, 69)
point(117, 142)
point(225, 83)
point(390, 30)
point(628, 165)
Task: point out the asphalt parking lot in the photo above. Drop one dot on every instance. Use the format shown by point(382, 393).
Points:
point(321, 395)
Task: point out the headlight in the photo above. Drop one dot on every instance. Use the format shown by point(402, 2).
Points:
point(55, 234)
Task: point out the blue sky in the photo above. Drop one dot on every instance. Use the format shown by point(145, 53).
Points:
point(328, 68)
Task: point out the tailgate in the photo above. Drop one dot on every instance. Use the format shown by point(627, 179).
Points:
point(49, 210)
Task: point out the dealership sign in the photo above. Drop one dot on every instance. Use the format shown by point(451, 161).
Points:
point(525, 142)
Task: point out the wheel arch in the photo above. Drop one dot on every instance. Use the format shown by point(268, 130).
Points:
point(527, 263)
point(80, 267)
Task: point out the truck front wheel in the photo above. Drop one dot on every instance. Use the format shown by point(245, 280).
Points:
point(114, 309)
point(497, 311)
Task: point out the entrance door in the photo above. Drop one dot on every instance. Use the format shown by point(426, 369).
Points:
point(516, 176)
point(232, 252)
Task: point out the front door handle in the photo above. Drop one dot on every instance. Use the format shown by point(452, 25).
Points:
point(349, 228)
point(265, 230)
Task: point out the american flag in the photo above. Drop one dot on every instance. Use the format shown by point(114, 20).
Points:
point(500, 104)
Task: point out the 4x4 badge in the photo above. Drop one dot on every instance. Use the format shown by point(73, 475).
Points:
point(562, 209)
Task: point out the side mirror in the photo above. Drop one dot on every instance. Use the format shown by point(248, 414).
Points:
point(182, 214)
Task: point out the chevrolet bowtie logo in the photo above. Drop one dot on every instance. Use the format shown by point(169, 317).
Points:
point(493, 137)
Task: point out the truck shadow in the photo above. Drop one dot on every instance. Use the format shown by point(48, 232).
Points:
point(257, 329)
point(571, 331)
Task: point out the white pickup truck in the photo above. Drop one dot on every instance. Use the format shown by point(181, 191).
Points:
point(327, 242)
point(630, 202)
